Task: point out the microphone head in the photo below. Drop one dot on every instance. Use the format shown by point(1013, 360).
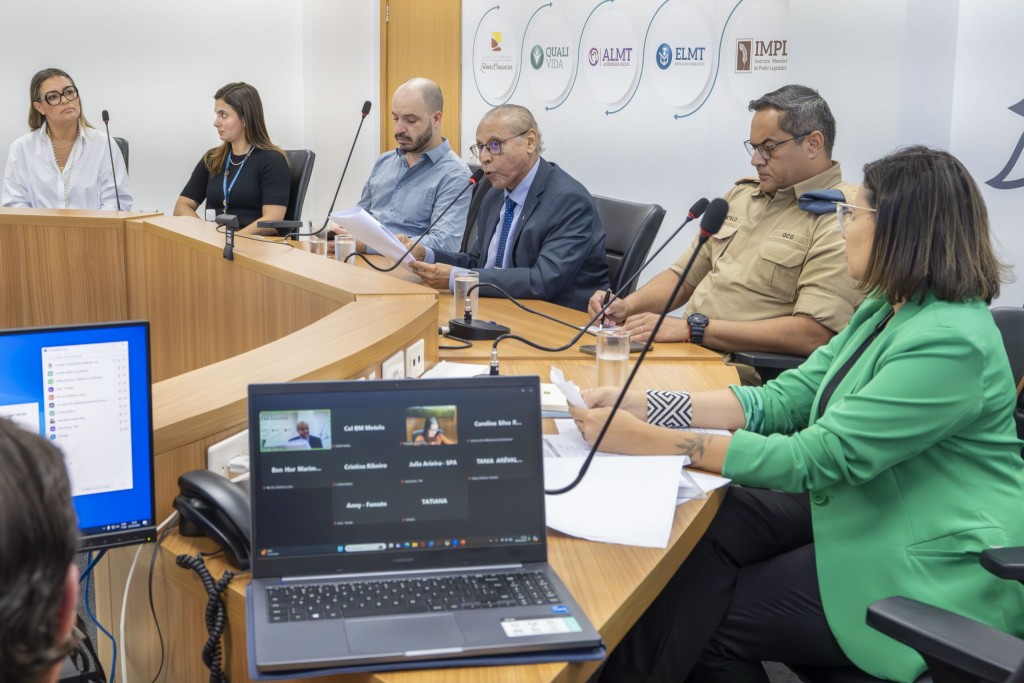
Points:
point(714, 216)
point(477, 175)
point(227, 220)
point(698, 208)
point(106, 116)
point(366, 108)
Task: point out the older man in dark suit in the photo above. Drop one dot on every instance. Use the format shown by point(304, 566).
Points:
point(538, 234)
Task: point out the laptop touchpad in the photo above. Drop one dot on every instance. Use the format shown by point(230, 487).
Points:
point(401, 634)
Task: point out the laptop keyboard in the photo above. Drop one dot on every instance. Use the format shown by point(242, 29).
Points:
point(407, 596)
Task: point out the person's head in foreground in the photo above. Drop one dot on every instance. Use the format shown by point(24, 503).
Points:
point(38, 540)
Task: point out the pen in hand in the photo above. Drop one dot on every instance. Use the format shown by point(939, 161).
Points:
point(607, 297)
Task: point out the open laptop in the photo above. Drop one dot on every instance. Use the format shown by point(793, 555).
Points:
point(398, 521)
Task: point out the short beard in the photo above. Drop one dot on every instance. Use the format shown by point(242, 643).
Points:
point(419, 144)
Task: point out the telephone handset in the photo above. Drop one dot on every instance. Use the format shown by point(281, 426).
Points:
point(212, 506)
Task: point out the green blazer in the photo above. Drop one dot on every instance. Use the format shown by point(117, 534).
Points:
point(913, 469)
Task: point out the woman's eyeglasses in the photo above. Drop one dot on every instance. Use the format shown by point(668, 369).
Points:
point(52, 98)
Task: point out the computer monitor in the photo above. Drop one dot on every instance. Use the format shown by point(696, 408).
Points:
point(87, 389)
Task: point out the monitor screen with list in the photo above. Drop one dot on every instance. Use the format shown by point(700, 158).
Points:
point(86, 388)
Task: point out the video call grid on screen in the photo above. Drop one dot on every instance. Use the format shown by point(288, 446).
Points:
point(87, 389)
point(424, 464)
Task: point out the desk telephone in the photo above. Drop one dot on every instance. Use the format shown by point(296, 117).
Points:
point(212, 506)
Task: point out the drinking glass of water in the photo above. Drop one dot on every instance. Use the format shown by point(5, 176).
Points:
point(612, 357)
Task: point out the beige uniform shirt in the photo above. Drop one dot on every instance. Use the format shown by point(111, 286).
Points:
point(772, 259)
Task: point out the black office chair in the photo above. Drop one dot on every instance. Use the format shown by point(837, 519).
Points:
point(768, 365)
point(300, 168)
point(123, 145)
point(1010, 322)
point(629, 231)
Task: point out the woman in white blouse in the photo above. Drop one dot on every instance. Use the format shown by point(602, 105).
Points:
point(63, 163)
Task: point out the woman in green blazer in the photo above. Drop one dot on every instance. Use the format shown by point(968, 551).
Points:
point(881, 466)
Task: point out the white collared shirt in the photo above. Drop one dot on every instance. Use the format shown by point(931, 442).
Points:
point(31, 178)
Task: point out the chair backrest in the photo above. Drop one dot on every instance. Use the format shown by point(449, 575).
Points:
point(1010, 322)
point(479, 190)
point(629, 231)
point(123, 144)
point(300, 168)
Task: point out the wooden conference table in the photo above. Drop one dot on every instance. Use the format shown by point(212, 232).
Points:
point(279, 314)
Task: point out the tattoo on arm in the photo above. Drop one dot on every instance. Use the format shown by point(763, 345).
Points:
point(694, 445)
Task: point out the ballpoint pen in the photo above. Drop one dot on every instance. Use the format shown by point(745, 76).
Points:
point(607, 296)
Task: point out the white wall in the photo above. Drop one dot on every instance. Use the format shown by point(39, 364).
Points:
point(156, 66)
point(341, 71)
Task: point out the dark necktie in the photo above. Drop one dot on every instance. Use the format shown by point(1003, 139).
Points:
point(506, 226)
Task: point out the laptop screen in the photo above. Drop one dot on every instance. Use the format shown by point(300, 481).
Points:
point(395, 475)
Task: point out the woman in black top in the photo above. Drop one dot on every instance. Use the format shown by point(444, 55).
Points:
point(248, 174)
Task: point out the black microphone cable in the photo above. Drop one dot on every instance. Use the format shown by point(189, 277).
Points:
point(695, 211)
point(110, 149)
point(473, 180)
point(711, 224)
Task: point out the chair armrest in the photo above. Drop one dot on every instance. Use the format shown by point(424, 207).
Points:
point(764, 359)
point(284, 228)
point(947, 640)
point(1006, 563)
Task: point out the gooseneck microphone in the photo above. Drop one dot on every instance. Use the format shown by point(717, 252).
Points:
point(297, 225)
point(365, 111)
point(110, 149)
point(717, 210)
point(473, 180)
point(695, 212)
point(230, 224)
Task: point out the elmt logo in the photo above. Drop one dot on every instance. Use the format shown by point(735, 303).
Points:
point(496, 41)
point(594, 56)
point(743, 55)
point(537, 56)
point(663, 56)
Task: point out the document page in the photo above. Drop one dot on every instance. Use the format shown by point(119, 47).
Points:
point(366, 228)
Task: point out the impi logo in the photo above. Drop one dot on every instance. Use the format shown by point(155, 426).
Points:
point(537, 56)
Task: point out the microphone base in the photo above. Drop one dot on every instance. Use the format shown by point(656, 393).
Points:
point(475, 329)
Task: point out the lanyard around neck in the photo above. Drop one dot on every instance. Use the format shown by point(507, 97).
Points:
point(225, 188)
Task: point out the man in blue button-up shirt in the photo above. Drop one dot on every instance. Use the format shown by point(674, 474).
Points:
point(410, 187)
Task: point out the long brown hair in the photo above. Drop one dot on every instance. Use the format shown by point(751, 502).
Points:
point(35, 119)
point(246, 102)
point(931, 229)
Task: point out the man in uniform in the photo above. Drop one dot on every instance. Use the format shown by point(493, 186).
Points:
point(774, 277)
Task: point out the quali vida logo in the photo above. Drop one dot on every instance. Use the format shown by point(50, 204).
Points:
point(537, 57)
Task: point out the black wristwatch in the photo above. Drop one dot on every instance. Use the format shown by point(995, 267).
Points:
point(698, 323)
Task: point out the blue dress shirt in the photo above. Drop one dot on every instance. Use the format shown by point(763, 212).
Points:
point(407, 200)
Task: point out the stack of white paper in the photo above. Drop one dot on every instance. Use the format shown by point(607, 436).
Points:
point(630, 501)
